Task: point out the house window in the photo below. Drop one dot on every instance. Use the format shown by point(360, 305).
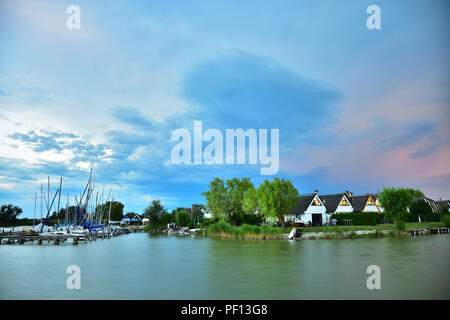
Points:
point(370, 202)
point(344, 202)
point(316, 202)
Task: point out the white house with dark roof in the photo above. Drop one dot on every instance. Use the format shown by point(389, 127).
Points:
point(337, 203)
point(319, 209)
point(364, 203)
point(309, 208)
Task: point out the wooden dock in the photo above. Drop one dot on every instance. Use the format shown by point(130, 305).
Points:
point(20, 237)
point(425, 231)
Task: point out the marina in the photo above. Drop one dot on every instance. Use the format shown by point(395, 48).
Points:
point(21, 237)
point(144, 266)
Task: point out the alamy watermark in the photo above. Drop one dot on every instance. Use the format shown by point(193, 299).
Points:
point(213, 153)
point(374, 20)
point(74, 280)
point(373, 281)
point(73, 22)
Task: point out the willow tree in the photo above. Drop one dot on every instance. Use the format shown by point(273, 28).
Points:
point(225, 199)
point(395, 202)
point(275, 198)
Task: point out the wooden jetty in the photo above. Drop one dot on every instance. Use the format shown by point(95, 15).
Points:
point(424, 231)
point(21, 237)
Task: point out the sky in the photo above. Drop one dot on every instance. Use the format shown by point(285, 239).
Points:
point(357, 109)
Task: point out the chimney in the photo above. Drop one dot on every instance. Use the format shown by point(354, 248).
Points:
point(347, 193)
point(316, 191)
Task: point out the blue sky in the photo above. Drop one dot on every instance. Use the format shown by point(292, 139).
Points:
point(357, 109)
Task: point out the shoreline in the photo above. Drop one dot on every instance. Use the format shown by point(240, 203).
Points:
point(337, 233)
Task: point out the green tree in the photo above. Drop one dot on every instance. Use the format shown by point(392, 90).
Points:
point(131, 215)
point(251, 202)
point(415, 193)
point(420, 207)
point(395, 202)
point(9, 213)
point(182, 218)
point(197, 214)
point(225, 200)
point(167, 218)
point(275, 198)
point(61, 216)
point(102, 210)
point(216, 198)
point(154, 212)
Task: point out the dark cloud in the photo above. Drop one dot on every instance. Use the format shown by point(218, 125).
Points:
point(249, 91)
point(49, 140)
point(133, 117)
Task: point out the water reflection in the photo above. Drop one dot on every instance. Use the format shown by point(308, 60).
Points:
point(141, 266)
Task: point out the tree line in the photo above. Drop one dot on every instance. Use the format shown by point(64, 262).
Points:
point(398, 203)
point(238, 201)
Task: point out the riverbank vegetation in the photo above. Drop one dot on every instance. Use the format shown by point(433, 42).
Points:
point(245, 211)
point(238, 202)
point(400, 208)
point(159, 217)
point(245, 231)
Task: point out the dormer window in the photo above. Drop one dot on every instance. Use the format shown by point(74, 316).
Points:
point(370, 202)
point(344, 202)
point(316, 202)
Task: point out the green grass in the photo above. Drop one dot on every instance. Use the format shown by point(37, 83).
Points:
point(378, 227)
point(224, 229)
point(446, 220)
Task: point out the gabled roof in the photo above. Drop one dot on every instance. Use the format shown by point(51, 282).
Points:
point(434, 206)
point(331, 201)
point(136, 218)
point(302, 204)
point(359, 202)
point(442, 204)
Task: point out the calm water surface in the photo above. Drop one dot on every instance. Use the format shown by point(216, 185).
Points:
point(140, 266)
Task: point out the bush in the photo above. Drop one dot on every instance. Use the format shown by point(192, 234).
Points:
point(359, 219)
point(446, 220)
point(183, 219)
point(205, 222)
point(352, 235)
point(219, 227)
point(153, 227)
point(425, 217)
point(245, 230)
point(400, 225)
point(250, 219)
point(337, 230)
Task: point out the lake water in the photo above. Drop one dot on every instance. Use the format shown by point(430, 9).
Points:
point(141, 266)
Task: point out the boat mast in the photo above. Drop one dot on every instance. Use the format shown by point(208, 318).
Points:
point(67, 209)
point(109, 214)
point(48, 192)
point(59, 200)
point(41, 201)
point(34, 214)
